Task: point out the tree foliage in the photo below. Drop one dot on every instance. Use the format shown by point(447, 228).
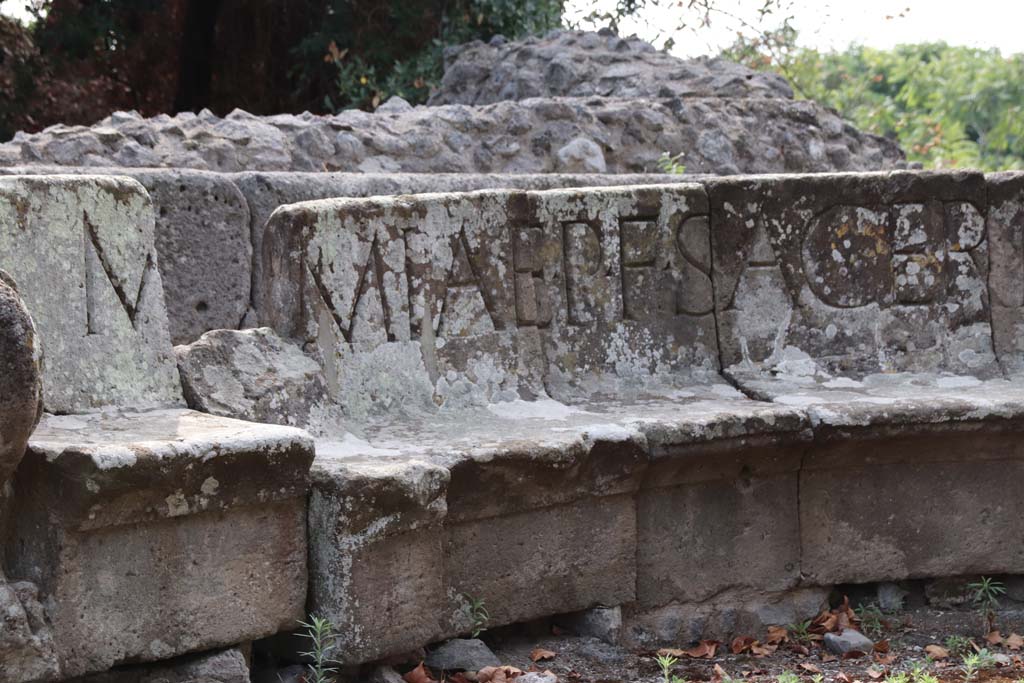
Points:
point(947, 106)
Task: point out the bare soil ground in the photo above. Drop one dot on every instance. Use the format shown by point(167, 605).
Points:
point(908, 635)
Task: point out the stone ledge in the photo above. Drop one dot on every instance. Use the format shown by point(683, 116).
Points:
point(157, 534)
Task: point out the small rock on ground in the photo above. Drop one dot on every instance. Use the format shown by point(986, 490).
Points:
point(848, 641)
point(462, 654)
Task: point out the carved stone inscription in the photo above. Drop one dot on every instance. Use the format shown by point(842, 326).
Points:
point(461, 275)
point(82, 251)
point(889, 276)
point(383, 276)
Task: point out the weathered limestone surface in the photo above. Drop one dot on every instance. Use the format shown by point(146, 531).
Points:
point(21, 387)
point(501, 363)
point(26, 645)
point(719, 135)
point(203, 242)
point(582, 64)
point(1006, 278)
point(267, 191)
point(226, 666)
point(82, 252)
point(148, 530)
point(864, 300)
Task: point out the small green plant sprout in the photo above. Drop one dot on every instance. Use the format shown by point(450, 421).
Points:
point(666, 662)
point(668, 163)
point(818, 678)
point(986, 599)
point(959, 646)
point(872, 621)
point(975, 662)
point(787, 677)
point(801, 632)
point(323, 640)
point(919, 674)
point(478, 615)
point(897, 677)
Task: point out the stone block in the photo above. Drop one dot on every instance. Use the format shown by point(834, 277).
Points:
point(204, 243)
point(431, 278)
point(546, 561)
point(376, 547)
point(265, 192)
point(1005, 226)
point(861, 273)
point(225, 666)
point(21, 397)
point(82, 251)
point(716, 522)
point(155, 534)
point(26, 644)
point(912, 506)
point(254, 375)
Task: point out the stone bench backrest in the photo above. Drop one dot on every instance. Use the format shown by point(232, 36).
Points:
point(435, 299)
point(863, 273)
point(82, 252)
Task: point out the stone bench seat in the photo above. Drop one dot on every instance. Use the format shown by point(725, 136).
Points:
point(146, 530)
point(156, 517)
point(927, 400)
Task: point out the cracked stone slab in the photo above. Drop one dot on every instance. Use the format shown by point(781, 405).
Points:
point(82, 251)
point(160, 533)
point(266, 191)
point(862, 273)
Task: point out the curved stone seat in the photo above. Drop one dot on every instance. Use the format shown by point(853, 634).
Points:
point(500, 373)
point(509, 374)
point(878, 290)
point(148, 529)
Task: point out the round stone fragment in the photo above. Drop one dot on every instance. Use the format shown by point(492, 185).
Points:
point(21, 391)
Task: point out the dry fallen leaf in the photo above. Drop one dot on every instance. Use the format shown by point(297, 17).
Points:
point(842, 677)
point(703, 649)
point(460, 677)
point(799, 649)
point(994, 638)
point(776, 635)
point(719, 674)
point(885, 660)
point(741, 644)
point(1014, 642)
point(419, 675)
point(854, 654)
point(874, 673)
point(539, 654)
point(760, 650)
point(826, 658)
point(936, 652)
point(810, 668)
point(882, 646)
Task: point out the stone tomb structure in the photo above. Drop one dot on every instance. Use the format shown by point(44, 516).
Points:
point(704, 402)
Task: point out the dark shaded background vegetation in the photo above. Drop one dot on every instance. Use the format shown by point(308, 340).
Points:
point(79, 60)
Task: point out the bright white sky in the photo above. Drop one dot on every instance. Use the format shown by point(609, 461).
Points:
point(824, 24)
point(835, 24)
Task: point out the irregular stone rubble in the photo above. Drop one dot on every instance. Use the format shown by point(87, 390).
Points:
point(147, 534)
point(717, 135)
point(584, 64)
